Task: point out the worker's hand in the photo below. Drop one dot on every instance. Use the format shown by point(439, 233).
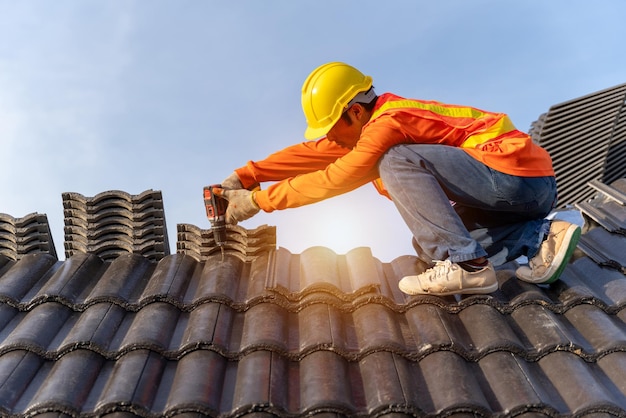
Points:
point(241, 204)
point(232, 182)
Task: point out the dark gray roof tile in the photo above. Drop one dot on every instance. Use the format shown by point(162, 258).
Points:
point(542, 330)
point(152, 327)
point(170, 280)
point(266, 326)
point(604, 333)
point(319, 268)
point(64, 385)
point(608, 287)
point(18, 369)
point(36, 330)
point(328, 382)
point(220, 280)
point(133, 381)
point(94, 329)
point(195, 383)
point(612, 246)
point(71, 281)
point(322, 326)
point(613, 372)
point(214, 326)
point(562, 368)
point(452, 384)
point(519, 293)
point(7, 313)
point(520, 392)
point(122, 281)
point(488, 330)
point(431, 329)
point(377, 327)
point(386, 381)
point(21, 277)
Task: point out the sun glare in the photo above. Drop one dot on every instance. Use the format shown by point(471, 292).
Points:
point(357, 219)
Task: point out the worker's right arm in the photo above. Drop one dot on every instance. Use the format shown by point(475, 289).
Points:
point(297, 159)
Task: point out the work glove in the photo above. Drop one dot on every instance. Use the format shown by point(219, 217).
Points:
point(241, 204)
point(232, 182)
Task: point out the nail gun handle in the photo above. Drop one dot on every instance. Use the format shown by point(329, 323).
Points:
point(216, 212)
point(215, 205)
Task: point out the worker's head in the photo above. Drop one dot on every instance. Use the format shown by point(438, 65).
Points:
point(328, 92)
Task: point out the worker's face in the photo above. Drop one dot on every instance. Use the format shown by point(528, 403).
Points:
point(347, 130)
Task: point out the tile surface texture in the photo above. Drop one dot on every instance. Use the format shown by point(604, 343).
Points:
point(122, 328)
point(268, 331)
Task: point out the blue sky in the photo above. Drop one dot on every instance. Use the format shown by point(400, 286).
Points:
point(173, 95)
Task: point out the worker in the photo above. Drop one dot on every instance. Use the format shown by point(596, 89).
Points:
point(473, 190)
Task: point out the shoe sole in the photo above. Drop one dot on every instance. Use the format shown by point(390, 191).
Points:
point(574, 237)
point(474, 290)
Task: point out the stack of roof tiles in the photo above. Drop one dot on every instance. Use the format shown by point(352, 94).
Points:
point(115, 222)
point(123, 328)
point(586, 138)
point(27, 235)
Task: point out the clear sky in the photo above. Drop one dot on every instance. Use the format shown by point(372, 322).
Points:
point(174, 95)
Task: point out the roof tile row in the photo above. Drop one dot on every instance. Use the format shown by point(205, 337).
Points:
point(298, 334)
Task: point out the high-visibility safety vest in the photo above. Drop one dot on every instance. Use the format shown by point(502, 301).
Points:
point(495, 124)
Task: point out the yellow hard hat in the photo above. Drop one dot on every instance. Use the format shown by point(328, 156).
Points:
point(326, 94)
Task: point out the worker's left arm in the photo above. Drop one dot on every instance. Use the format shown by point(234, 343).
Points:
point(356, 168)
point(289, 162)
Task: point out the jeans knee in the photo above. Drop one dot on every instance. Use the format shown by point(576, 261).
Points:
point(388, 161)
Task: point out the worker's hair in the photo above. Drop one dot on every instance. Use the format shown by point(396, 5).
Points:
point(367, 106)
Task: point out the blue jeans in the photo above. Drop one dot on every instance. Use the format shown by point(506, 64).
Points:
point(459, 209)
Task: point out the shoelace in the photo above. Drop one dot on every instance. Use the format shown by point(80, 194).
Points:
point(439, 270)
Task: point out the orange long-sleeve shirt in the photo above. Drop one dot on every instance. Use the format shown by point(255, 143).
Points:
point(313, 171)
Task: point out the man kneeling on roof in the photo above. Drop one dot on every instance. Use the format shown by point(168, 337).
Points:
point(468, 184)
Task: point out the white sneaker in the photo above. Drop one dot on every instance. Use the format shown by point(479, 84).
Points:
point(447, 278)
point(553, 255)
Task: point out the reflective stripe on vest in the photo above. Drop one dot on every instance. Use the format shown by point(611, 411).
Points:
point(496, 124)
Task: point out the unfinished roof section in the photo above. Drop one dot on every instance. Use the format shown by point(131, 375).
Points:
point(114, 223)
point(27, 235)
point(608, 210)
point(586, 138)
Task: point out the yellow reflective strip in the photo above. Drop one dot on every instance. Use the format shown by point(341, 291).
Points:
point(504, 125)
point(454, 112)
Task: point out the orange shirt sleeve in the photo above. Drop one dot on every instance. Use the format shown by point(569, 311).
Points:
point(291, 161)
point(357, 167)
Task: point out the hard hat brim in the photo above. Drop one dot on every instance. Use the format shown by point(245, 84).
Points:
point(312, 134)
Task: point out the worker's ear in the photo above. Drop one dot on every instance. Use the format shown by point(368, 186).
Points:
point(357, 110)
